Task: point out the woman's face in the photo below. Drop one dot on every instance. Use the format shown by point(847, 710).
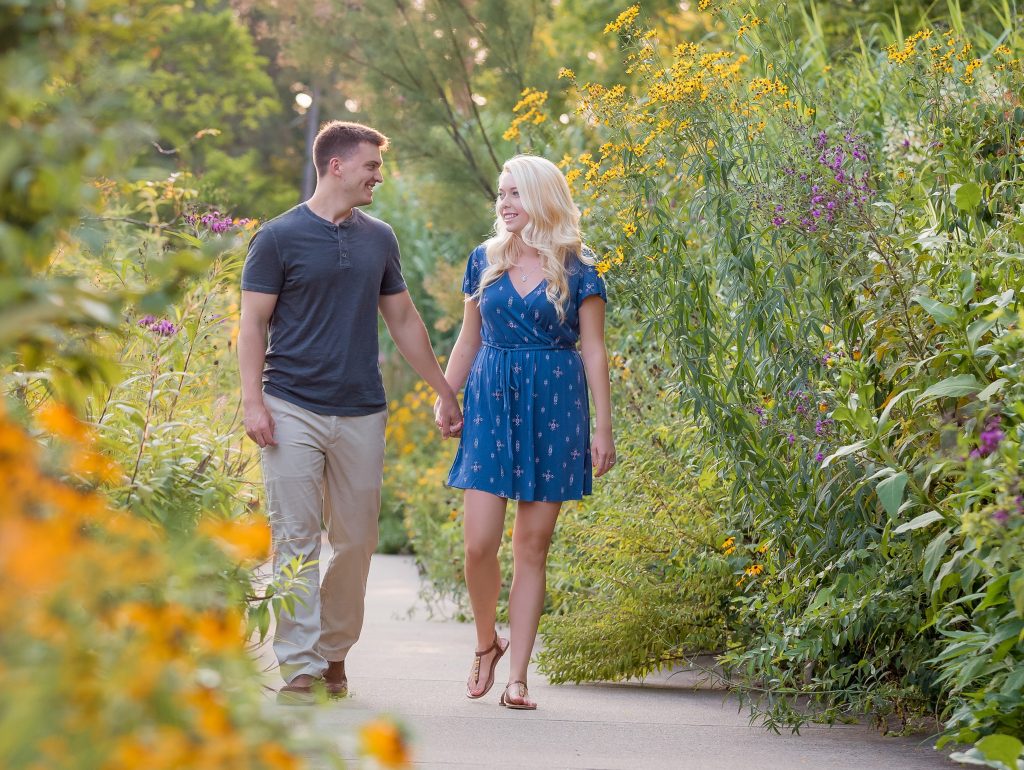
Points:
point(510, 206)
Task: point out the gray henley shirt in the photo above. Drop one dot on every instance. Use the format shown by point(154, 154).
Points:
point(322, 352)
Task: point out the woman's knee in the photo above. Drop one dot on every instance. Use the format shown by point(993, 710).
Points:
point(531, 548)
point(480, 551)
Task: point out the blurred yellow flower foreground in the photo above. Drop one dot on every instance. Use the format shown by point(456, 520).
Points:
point(112, 655)
point(116, 653)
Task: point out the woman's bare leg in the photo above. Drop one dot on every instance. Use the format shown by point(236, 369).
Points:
point(531, 538)
point(482, 526)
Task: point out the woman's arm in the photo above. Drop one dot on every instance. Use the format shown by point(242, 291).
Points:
point(466, 347)
point(595, 362)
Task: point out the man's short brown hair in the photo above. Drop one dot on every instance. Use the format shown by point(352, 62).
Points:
point(338, 138)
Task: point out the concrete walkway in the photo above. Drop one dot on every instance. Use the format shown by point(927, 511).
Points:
point(414, 669)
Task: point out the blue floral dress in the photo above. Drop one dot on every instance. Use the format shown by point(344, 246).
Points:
point(526, 408)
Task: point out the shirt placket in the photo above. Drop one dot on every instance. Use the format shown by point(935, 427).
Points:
point(343, 255)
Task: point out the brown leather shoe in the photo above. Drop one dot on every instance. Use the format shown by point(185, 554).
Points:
point(335, 680)
point(298, 692)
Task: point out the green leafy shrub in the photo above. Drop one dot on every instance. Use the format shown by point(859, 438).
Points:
point(639, 577)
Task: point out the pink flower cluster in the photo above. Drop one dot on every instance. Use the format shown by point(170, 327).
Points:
point(214, 221)
point(160, 327)
point(989, 440)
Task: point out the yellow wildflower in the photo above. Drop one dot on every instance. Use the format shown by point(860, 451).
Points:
point(623, 20)
point(242, 539)
point(58, 419)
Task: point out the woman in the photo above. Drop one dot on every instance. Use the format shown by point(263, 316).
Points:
point(532, 294)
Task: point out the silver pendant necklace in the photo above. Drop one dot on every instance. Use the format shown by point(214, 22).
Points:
point(525, 275)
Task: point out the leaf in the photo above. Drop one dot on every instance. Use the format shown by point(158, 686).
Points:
point(849, 449)
point(1017, 592)
point(977, 330)
point(820, 598)
point(942, 313)
point(994, 594)
point(890, 492)
point(934, 552)
point(967, 196)
point(1014, 682)
point(958, 385)
point(1001, 748)
point(973, 757)
point(918, 522)
point(892, 402)
point(992, 389)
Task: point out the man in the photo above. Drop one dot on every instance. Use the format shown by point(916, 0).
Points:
point(315, 278)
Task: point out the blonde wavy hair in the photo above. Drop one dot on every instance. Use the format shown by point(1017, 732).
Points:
point(553, 229)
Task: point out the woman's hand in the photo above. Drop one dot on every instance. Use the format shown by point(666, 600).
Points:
point(448, 416)
point(602, 451)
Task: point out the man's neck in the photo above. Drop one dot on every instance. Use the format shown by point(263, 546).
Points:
point(328, 207)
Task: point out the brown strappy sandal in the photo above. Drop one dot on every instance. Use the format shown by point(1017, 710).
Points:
point(520, 701)
point(474, 675)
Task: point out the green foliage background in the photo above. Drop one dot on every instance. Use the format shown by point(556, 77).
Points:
point(820, 429)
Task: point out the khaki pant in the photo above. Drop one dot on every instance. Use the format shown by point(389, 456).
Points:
point(323, 469)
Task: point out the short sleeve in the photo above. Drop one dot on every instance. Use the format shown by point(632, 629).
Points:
point(263, 270)
point(393, 281)
point(471, 281)
point(590, 283)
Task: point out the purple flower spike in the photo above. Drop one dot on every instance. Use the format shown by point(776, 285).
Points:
point(161, 328)
point(990, 439)
point(164, 329)
point(819, 458)
point(1000, 516)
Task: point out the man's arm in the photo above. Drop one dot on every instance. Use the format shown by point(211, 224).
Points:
point(410, 336)
point(257, 308)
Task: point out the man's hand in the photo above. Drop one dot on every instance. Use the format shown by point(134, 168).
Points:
point(259, 425)
point(447, 415)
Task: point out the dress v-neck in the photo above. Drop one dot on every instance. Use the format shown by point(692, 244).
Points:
point(516, 288)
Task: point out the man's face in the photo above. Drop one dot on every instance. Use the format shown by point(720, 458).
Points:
point(359, 173)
